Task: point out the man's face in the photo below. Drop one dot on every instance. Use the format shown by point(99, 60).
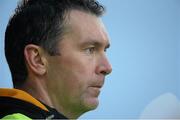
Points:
point(76, 76)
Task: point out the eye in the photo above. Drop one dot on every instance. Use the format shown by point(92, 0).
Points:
point(90, 50)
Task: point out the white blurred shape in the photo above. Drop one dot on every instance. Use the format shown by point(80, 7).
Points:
point(166, 106)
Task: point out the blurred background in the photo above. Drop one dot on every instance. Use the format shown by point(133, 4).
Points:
point(144, 53)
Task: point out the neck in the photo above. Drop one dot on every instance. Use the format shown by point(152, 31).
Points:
point(37, 88)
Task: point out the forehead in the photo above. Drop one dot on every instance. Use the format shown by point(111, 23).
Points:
point(85, 26)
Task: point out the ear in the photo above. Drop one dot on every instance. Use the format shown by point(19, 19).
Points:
point(35, 59)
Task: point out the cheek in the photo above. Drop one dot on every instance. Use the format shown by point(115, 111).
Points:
point(78, 66)
point(74, 74)
point(78, 75)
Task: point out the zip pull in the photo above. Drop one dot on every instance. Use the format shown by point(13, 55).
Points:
point(50, 117)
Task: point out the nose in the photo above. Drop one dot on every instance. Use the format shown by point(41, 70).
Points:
point(104, 67)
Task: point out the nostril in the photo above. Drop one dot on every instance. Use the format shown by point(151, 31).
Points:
point(104, 72)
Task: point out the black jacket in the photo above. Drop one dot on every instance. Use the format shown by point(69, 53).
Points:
point(17, 101)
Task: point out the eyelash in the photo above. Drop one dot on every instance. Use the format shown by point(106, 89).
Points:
point(91, 50)
point(105, 50)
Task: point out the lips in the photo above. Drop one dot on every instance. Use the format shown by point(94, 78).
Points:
point(97, 83)
point(97, 86)
point(94, 91)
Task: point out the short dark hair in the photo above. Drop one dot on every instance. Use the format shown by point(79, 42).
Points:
point(39, 22)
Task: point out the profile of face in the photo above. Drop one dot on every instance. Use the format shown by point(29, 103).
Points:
point(76, 76)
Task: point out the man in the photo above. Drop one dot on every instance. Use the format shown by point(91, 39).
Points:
point(56, 53)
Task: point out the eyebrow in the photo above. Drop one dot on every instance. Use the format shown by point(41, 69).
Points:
point(95, 43)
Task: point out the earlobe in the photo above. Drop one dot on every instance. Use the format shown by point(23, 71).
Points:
point(35, 59)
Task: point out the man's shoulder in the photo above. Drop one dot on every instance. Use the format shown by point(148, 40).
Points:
point(15, 103)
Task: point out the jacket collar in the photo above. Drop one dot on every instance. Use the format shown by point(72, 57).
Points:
point(19, 94)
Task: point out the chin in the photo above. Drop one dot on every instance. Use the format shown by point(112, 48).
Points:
point(91, 103)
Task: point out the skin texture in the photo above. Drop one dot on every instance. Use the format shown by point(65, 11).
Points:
point(71, 81)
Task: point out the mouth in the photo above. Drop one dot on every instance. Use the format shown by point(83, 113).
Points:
point(95, 91)
point(97, 86)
